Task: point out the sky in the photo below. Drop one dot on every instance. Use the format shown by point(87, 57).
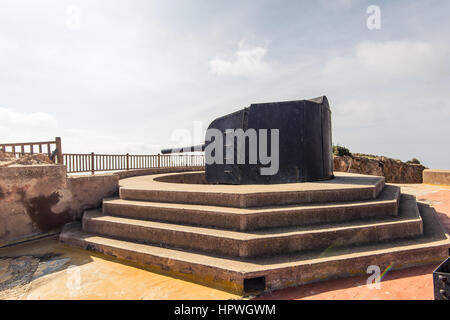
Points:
point(137, 76)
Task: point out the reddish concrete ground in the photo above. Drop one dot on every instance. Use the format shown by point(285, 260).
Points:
point(440, 200)
point(408, 284)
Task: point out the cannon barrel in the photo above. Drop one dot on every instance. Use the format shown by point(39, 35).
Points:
point(197, 148)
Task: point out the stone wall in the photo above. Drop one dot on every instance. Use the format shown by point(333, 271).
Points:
point(439, 177)
point(394, 171)
point(39, 199)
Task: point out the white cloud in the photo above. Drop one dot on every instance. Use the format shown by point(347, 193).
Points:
point(24, 127)
point(11, 118)
point(245, 62)
point(391, 59)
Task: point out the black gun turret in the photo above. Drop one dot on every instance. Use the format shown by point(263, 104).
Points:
point(278, 142)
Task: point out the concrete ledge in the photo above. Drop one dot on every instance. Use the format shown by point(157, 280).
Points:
point(440, 177)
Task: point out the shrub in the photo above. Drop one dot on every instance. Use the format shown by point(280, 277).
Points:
point(414, 161)
point(341, 151)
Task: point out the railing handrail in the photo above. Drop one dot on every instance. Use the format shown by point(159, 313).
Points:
point(130, 154)
point(57, 152)
point(26, 143)
point(92, 162)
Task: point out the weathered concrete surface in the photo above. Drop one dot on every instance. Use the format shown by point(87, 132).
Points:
point(394, 171)
point(256, 218)
point(439, 177)
point(37, 200)
point(344, 187)
point(280, 271)
point(409, 284)
point(89, 191)
point(407, 224)
point(226, 258)
point(45, 269)
point(33, 200)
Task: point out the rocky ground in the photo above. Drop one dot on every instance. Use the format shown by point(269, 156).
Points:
point(9, 159)
point(395, 171)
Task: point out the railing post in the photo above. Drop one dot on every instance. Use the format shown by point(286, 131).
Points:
point(159, 160)
point(59, 155)
point(92, 163)
point(128, 161)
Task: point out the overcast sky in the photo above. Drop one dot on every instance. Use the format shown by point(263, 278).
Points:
point(131, 76)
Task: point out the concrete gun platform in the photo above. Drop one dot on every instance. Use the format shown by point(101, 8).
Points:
point(325, 234)
point(177, 188)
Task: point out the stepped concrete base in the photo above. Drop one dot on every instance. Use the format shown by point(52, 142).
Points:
point(344, 187)
point(261, 237)
point(407, 224)
point(240, 275)
point(256, 218)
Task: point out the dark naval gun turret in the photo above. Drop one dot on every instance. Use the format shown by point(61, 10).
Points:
point(269, 143)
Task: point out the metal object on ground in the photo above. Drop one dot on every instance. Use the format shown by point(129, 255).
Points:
point(441, 281)
point(304, 140)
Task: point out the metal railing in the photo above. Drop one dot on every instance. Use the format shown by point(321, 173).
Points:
point(91, 162)
point(52, 148)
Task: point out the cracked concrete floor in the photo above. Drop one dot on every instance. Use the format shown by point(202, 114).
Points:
point(45, 269)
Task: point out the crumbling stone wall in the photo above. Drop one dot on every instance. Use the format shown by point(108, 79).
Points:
point(35, 200)
point(394, 171)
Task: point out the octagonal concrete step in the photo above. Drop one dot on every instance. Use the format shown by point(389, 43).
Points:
point(344, 187)
point(256, 218)
point(259, 243)
point(235, 274)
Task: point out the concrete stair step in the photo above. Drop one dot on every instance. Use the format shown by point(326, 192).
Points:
point(237, 274)
point(258, 243)
point(344, 187)
point(256, 218)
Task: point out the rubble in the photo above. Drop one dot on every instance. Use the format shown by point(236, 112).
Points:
point(9, 159)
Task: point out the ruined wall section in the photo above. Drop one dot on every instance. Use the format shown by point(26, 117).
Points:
point(40, 199)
